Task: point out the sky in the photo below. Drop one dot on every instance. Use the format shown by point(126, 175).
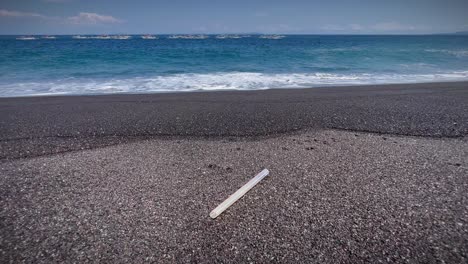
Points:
point(232, 16)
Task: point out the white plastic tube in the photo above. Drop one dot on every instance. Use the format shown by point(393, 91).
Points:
point(238, 194)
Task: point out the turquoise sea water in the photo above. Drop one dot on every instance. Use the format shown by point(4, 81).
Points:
point(96, 66)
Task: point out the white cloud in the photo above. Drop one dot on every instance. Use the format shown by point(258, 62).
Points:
point(10, 13)
point(84, 18)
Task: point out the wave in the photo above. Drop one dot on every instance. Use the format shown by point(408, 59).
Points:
point(457, 53)
point(214, 81)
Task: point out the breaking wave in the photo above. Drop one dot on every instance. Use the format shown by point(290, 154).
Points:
point(215, 81)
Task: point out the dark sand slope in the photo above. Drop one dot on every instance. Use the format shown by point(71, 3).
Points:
point(43, 125)
point(333, 196)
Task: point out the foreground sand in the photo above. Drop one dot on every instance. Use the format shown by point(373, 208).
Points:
point(88, 179)
point(332, 196)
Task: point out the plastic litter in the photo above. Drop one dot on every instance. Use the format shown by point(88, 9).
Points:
point(238, 194)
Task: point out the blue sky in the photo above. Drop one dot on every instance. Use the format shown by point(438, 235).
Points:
point(234, 16)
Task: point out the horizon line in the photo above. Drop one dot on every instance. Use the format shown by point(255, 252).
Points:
point(244, 33)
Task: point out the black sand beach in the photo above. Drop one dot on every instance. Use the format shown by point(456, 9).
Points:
point(358, 174)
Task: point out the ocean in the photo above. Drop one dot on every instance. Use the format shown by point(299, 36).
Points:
point(66, 65)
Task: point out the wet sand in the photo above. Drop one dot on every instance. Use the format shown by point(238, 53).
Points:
point(362, 174)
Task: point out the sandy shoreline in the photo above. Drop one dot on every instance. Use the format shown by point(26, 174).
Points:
point(34, 126)
point(363, 174)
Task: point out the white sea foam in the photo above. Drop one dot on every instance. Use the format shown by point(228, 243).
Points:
point(215, 81)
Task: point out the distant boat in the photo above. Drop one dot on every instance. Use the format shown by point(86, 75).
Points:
point(272, 36)
point(149, 37)
point(49, 37)
point(121, 37)
point(80, 37)
point(112, 37)
point(197, 37)
point(228, 37)
point(26, 38)
point(102, 37)
point(188, 37)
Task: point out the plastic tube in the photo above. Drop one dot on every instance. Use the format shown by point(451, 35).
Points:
point(238, 194)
